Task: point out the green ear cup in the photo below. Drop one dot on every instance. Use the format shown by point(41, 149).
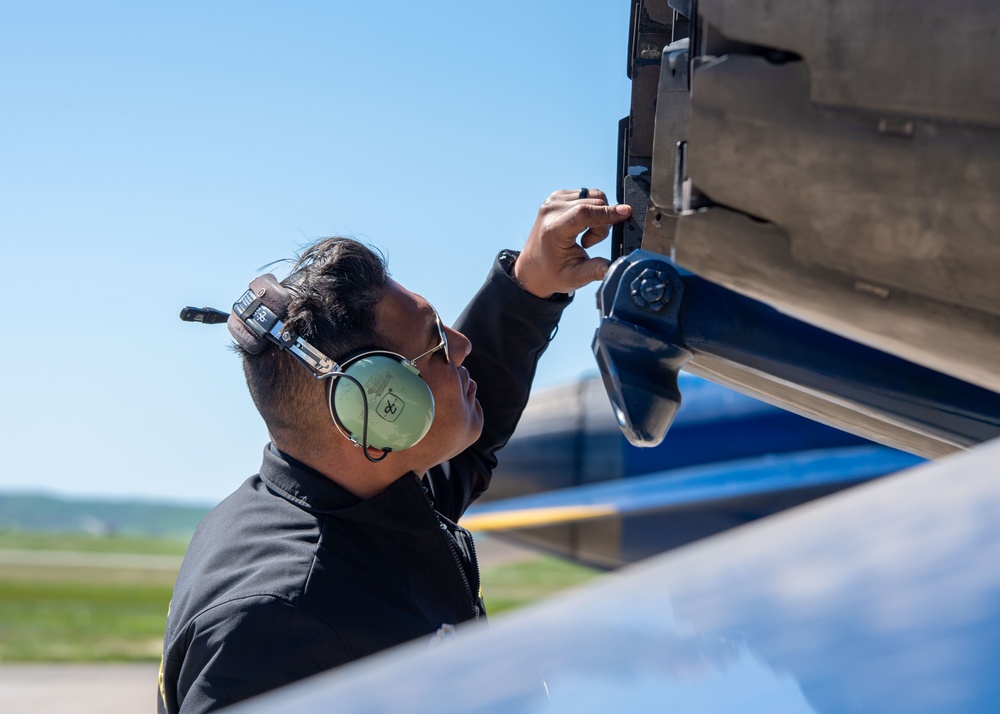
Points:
point(400, 404)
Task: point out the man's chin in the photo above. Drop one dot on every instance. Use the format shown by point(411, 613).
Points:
point(475, 432)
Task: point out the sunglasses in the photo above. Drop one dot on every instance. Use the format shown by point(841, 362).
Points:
point(442, 345)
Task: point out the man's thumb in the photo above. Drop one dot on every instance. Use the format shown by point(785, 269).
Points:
point(590, 270)
point(620, 211)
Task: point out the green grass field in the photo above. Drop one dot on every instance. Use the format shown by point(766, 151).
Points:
point(75, 603)
point(82, 608)
point(508, 587)
point(92, 544)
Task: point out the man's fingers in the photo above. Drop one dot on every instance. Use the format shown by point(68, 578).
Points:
point(555, 257)
point(581, 216)
point(595, 195)
point(578, 194)
point(588, 271)
point(594, 235)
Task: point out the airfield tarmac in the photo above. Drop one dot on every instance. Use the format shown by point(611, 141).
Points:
point(131, 688)
point(85, 688)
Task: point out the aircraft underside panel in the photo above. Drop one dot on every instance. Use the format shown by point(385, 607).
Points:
point(919, 57)
point(656, 320)
point(838, 162)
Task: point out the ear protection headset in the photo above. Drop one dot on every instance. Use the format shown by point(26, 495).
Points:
point(376, 399)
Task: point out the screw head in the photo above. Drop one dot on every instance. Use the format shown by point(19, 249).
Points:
point(651, 290)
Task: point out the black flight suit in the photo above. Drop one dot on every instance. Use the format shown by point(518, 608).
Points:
point(292, 575)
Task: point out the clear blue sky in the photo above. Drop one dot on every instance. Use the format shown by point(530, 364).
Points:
point(156, 155)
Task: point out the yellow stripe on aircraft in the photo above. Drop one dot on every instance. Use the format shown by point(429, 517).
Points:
point(533, 517)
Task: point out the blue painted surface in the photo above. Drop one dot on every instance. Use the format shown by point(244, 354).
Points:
point(719, 439)
point(640, 351)
point(716, 424)
point(884, 599)
point(723, 323)
point(706, 484)
point(728, 460)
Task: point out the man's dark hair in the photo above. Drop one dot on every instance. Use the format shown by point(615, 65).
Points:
point(336, 285)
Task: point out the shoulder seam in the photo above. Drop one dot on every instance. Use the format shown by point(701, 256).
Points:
point(284, 600)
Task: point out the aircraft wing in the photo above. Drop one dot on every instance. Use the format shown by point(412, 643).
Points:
point(691, 488)
point(572, 485)
point(884, 598)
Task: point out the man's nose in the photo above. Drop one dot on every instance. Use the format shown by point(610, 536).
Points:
point(459, 346)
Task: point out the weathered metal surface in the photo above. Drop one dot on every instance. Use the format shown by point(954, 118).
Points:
point(842, 164)
point(916, 58)
point(918, 213)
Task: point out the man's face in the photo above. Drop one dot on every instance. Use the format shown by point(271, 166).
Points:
point(410, 322)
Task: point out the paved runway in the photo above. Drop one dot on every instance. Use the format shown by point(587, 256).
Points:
point(81, 689)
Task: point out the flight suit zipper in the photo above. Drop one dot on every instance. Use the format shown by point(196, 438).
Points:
point(443, 525)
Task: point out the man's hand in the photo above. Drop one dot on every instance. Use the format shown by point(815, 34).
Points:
point(552, 261)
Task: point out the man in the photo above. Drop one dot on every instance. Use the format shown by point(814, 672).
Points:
point(346, 542)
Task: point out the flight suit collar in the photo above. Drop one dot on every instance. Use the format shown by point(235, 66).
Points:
point(402, 506)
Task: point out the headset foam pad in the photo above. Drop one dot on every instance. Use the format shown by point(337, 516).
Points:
point(272, 295)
